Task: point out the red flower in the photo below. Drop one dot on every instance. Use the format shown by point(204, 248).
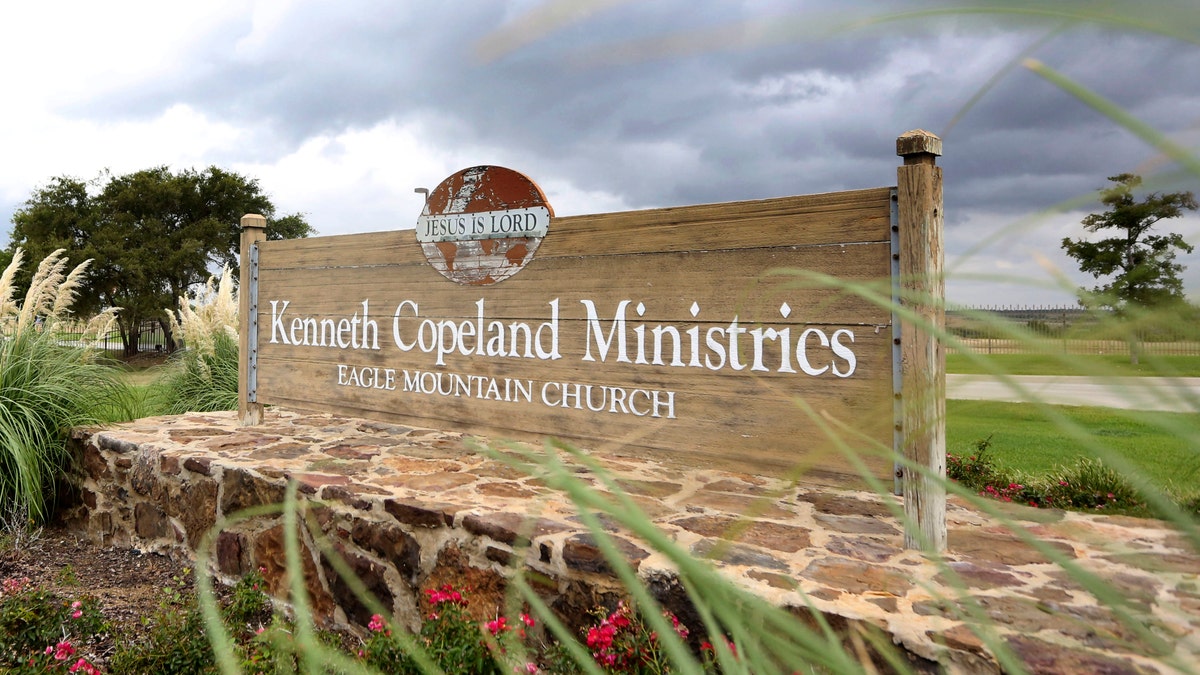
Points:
point(82, 666)
point(62, 651)
point(497, 625)
point(446, 594)
point(601, 637)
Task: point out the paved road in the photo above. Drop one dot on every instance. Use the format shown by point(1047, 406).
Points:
point(1176, 394)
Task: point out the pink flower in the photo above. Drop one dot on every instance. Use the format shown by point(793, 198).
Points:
point(82, 666)
point(680, 629)
point(446, 594)
point(527, 620)
point(62, 651)
point(15, 585)
point(497, 625)
point(530, 668)
point(377, 624)
point(601, 637)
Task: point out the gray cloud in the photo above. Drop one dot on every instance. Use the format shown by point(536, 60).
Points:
point(737, 109)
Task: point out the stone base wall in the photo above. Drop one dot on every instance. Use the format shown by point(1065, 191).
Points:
point(412, 509)
point(138, 496)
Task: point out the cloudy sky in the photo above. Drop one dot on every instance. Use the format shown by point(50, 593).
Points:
point(341, 108)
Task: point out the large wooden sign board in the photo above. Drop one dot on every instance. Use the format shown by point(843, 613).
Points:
point(668, 333)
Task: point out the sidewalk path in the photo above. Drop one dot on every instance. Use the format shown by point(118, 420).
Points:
point(1172, 394)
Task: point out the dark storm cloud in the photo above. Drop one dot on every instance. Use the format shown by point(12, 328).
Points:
point(735, 113)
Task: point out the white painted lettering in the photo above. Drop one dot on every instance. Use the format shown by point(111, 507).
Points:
point(278, 332)
point(603, 344)
point(844, 352)
point(802, 351)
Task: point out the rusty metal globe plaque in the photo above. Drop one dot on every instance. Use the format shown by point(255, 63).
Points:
point(482, 225)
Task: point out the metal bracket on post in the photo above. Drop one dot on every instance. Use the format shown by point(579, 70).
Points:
point(897, 379)
point(252, 328)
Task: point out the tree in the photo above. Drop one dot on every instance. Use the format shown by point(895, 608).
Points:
point(152, 234)
point(1140, 264)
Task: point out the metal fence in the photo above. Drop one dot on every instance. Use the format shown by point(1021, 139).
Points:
point(150, 337)
point(1067, 330)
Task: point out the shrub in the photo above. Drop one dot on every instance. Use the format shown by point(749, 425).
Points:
point(39, 631)
point(171, 641)
point(1090, 485)
point(248, 604)
point(452, 638)
point(620, 642)
point(976, 471)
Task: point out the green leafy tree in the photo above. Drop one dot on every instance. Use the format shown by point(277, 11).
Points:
point(1138, 263)
point(153, 234)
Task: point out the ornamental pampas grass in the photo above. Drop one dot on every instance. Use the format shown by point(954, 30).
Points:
point(207, 314)
point(44, 290)
point(48, 386)
point(8, 308)
point(206, 379)
point(51, 293)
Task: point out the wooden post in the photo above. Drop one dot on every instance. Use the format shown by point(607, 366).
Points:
point(922, 359)
point(253, 231)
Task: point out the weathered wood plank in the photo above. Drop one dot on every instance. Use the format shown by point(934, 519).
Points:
point(253, 232)
point(680, 319)
point(764, 427)
point(835, 218)
point(753, 284)
point(923, 361)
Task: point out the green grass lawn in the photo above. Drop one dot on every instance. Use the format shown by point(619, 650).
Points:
point(1165, 446)
point(143, 369)
point(1059, 364)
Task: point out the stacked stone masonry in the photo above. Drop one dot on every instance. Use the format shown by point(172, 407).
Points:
point(411, 509)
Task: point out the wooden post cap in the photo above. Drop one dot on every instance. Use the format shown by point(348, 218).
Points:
point(918, 142)
point(253, 220)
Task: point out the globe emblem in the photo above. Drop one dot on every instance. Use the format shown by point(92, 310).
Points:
point(483, 224)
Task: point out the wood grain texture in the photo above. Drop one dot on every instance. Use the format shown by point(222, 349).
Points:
point(253, 232)
point(686, 287)
point(923, 364)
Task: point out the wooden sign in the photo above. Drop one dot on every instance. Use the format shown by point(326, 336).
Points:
point(683, 334)
point(661, 332)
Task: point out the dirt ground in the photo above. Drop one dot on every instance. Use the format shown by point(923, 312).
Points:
point(127, 585)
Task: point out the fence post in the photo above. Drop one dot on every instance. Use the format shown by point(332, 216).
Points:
point(922, 358)
point(253, 231)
